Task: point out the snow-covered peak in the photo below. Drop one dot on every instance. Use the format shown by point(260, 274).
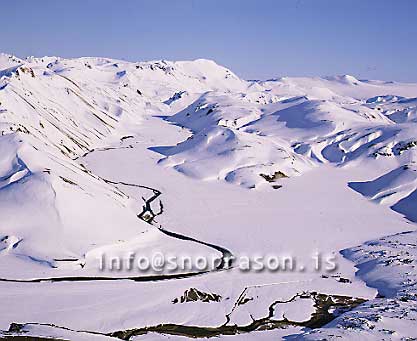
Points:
point(345, 79)
point(8, 61)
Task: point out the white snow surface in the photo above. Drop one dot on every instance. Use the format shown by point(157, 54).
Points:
point(288, 167)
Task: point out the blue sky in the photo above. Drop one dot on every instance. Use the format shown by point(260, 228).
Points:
point(256, 39)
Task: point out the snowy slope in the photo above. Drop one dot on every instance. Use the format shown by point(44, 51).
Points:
point(54, 111)
point(388, 264)
point(102, 156)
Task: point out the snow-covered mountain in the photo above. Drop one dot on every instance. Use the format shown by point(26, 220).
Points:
point(101, 156)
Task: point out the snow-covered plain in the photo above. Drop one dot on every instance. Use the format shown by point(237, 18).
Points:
point(101, 156)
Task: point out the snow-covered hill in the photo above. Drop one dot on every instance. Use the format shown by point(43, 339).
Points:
point(102, 156)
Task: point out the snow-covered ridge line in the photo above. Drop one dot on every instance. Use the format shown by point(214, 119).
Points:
point(55, 110)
